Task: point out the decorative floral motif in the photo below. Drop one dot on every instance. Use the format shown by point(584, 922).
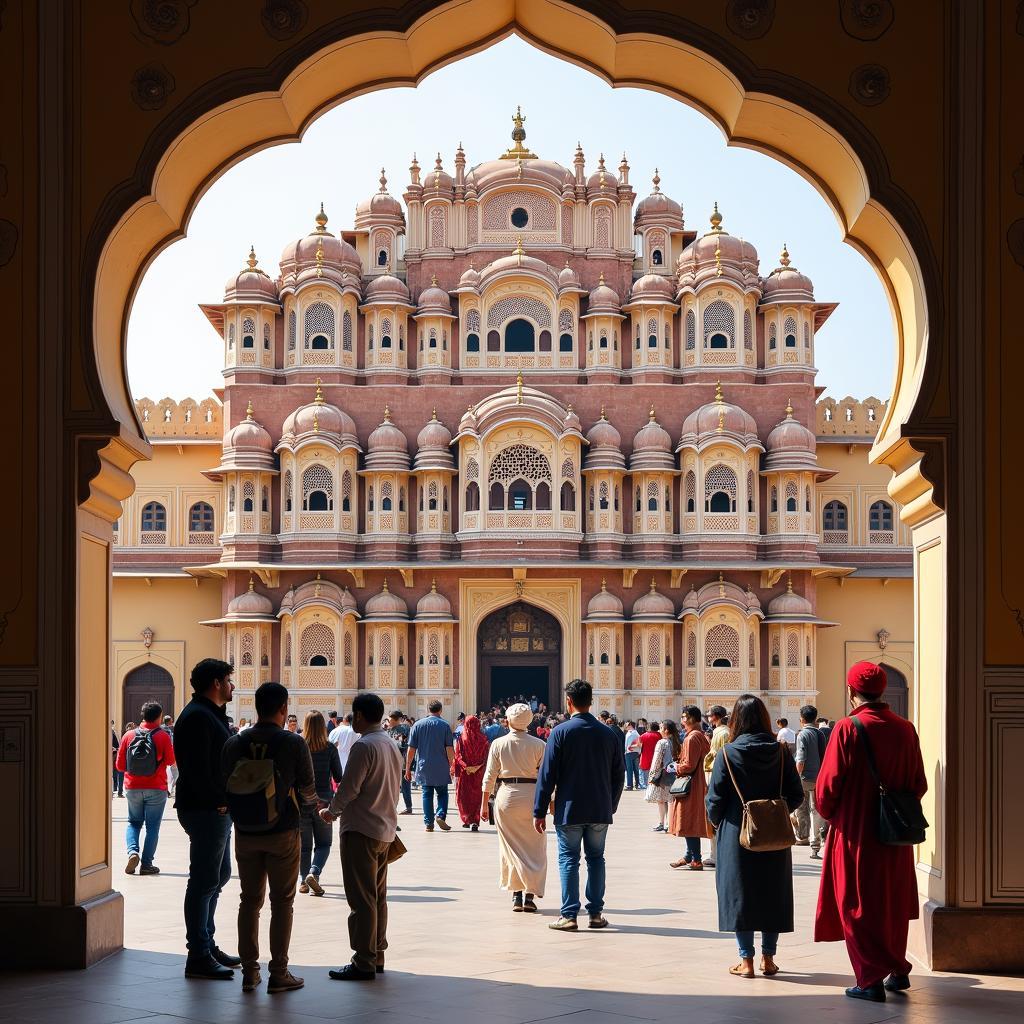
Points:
point(870, 84)
point(866, 19)
point(283, 18)
point(163, 21)
point(151, 85)
point(750, 19)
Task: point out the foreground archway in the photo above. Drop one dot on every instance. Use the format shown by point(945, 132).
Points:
point(968, 679)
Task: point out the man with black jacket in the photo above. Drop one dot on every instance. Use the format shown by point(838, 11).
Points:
point(199, 737)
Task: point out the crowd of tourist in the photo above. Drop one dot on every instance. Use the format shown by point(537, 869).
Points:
point(850, 788)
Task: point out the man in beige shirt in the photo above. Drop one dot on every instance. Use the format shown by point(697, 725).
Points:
point(365, 802)
point(719, 720)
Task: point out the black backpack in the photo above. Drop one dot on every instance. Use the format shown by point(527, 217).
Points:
point(256, 793)
point(141, 757)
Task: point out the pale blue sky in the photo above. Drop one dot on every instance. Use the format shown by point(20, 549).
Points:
point(271, 198)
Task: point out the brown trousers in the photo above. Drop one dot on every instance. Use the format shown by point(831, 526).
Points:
point(273, 857)
point(364, 869)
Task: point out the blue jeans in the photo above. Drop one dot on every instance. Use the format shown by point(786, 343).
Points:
point(117, 782)
point(644, 776)
point(592, 838)
point(428, 803)
point(317, 838)
point(209, 869)
point(693, 848)
point(145, 807)
point(632, 770)
point(769, 944)
point(406, 792)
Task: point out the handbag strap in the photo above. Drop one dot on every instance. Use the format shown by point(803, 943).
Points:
point(863, 731)
point(783, 750)
point(728, 768)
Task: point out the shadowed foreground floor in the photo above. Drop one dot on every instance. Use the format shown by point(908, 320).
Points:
point(458, 954)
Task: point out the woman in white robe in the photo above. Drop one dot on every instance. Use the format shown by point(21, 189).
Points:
point(512, 768)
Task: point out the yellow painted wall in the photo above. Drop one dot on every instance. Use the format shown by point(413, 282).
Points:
point(862, 607)
point(172, 608)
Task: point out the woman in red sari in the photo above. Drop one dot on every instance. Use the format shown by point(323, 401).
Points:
point(470, 759)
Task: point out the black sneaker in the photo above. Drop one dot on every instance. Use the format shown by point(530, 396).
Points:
point(207, 969)
point(897, 983)
point(517, 903)
point(149, 869)
point(873, 993)
point(352, 973)
point(225, 959)
point(529, 905)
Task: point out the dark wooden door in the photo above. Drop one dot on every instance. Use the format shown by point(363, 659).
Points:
point(521, 641)
point(896, 690)
point(146, 683)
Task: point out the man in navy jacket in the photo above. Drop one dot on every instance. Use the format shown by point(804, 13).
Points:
point(584, 768)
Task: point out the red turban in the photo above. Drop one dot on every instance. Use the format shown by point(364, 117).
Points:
point(867, 679)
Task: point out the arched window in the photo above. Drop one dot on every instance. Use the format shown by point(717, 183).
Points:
point(401, 499)
point(382, 258)
point(602, 501)
point(248, 496)
point(231, 498)
point(668, 499)
point(246, 647)
point(880, 516)
point(565, 343)
point(317, 489)
point(248, 332)
point(432, 496)
point(791, 496)
point(291, 331)
point(719, 325)
point(520, 497)
point(286, 490)
point(385, 496)
point(317, 646)
point(833, 516)
point(720, 489)
point(545, 341)
point(750, 490)
point(771, 336)
point(656, 257)
point(444, 499)
point(590, 500)
point(200, 518)
point(346, 331)
point(319, 326)
point(603, 342)
point(807, 335)
point(790, 331)
point(370, 507)
point(369, 336)
point(690, 485)
point(691, 330)
point(346, 491)
point(722, 647)
point(807, 499)
point(265, 500)
point(520, 336)
point(266, 337)
point(639, 500)
point(773, 499)
point(748, 333)
point(231, 336)
point(568, 497)
point(385, 341)
point(496, 498)
point(792, 650)
point(652, 497)
point(718, 341)
point(473, 497)
point(543, 496)
point(473, 343)
point(493, 341)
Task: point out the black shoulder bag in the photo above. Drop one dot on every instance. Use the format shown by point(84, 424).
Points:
point(901, 822)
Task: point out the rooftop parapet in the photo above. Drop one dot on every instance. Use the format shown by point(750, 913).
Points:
point(184, 420)
point(847, 418)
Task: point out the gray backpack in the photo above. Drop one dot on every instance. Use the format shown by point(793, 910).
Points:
point(141, 757)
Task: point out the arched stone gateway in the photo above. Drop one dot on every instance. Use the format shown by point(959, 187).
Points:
point(143, 684)
point(519, 653)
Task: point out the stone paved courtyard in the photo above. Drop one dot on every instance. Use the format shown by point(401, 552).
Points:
point(459, 955)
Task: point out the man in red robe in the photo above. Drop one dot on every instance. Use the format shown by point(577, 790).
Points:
point(868, 892)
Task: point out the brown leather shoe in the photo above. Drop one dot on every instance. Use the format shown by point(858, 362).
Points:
point(286, 982)
point(696, 865)
point(251, 979)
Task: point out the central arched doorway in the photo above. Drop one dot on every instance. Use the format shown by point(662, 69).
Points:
point(519, 651)
point(143, 684)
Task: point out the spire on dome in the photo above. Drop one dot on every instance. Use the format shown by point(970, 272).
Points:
point(517, 151)
point(789, 408)
point(784, 256)
point(601, 280)
point(433, 585)
point(650, 415)
point(383, 181)
point(414, 171)
point(433, 280)
point(519, 251)
point(252, 583)
point(719, 398)
point(656, 182)
point(387, 414)
point(252, 261)
point(716, 219)
point(654, 586)
point(789, 584)
point(604, 584)
point(321, 220)
point(318, 398)
point(385, 587)
point(600, 169)
point(249, 411)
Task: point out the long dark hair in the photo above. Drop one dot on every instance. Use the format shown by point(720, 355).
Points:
point(749, 715)
point(673, 737)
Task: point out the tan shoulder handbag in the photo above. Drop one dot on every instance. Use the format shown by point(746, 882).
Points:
point(765, 825)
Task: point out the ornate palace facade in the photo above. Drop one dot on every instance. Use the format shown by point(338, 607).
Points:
point(518, 428)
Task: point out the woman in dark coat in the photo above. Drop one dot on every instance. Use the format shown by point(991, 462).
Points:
point(316, 835)
point(755, 889)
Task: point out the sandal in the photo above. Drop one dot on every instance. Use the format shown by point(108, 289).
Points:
point(769, 968)
point(744, 969)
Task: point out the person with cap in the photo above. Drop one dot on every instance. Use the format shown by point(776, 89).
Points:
point(868, 893)
point(513, 765)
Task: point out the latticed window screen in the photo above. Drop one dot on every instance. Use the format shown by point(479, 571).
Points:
point(266, 335)
point(433, 650)
point(248, 325)
point(347, 647)
point(652, 496)
point(247, 648)
point(317, 641)
point(652, 326)
point(386, 492)
point(346, 485)
point(791, 493)
point(565, 321)
point(346, 331)
point(385, 648)
point(789, 325)
point(720, 478)
point(248, 496)
point(719, 316)
point(385, 325)
point(603, 229)
point(291, 331)
point(775, 649)
point(568, 469)
point(541, 211)
point(472, 468)
point(748, 331)
point(519, 461)
point(231, 498)
point(287, 659)
point(200, 518)
point(654, 648)
point(517, 306)
point(317, 478)
point(771, 335)
point(750, 490)
point(792, 650)
point(231, 335)
point(722, 643)
point(691, 649)
point(691, 330)
point(691, 490)
point(320, 320)
point(437, 227)
point(751, 649)
point(807, 335)
point(286, 490)
point(603, 494)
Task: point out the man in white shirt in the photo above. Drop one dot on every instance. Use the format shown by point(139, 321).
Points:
point(343, 737)
point(632, 749)
point(786, 735)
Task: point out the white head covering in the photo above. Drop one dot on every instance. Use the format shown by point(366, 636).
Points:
point(519, 716)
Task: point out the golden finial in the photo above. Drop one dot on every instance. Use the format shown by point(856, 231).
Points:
point(249, 410)
point(321, 220)
point(721, 585)
point(519, 251)
point(251, 261)
point(721, 420)
point(252, 583)
point(517, 151)
point(433, 415)
point(383, 181)
point(789, 584)
point(789, 408)
point(718, 392)
point(784, 256)
point(318, 398)
point(656, 181)
point(437, 171)
point(601, 279)
point(600, 169)
point(433, 585)
point(519, 388)
point(602, 413)
point(604, 585)
point(433, 280)
point(317, 588)
point(385, 587)
point(718, 260)
point(316, 422)
point(654, 585)
point(320, 258)
point(716, 220)
point(650, 415)
point(387, 414)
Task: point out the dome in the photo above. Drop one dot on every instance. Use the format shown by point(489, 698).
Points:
point(322, 419)
point(387, 447)
point(717, 418)
point(250, 604)
point(653, 287)
point(434, 300)
point(434, 435)
point(791, 445)
point(433, 606)
point(790, 606)
point(718, 256)
point(470, 279)
point(605, 447)
point(652, 447)
point(381, 205)
point(603, 299)
point(386, 607)
point(432, 448)
point(251, 284)
point(719, 593)
point(604, 606)
point(320, 249)
point(387, 289)
point(248, 435)
point(437, 179)
point(753, 604)
point(691, 602)
point(657, 205)
point(525, 171)
point(519, 262)
point(602, 179)
point(568, 278)
point(653, 607)
point(786, 284)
